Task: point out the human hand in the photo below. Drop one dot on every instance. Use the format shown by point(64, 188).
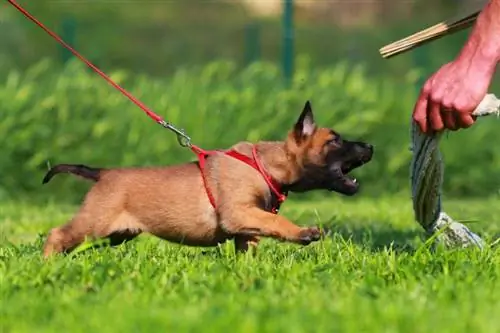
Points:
point(450, 95)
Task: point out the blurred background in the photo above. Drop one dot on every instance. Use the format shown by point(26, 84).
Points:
point(224, 71)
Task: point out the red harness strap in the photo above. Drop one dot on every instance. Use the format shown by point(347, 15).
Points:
point(251, 161)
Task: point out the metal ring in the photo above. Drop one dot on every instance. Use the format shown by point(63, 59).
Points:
point(183, 140)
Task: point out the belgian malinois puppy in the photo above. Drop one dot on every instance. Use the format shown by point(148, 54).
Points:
point(225, 199)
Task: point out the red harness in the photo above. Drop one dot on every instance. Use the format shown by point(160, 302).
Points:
point(251, 161)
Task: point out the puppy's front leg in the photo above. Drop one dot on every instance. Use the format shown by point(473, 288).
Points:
point(256, 222)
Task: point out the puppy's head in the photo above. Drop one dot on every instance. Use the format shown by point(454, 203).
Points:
point(323, 157)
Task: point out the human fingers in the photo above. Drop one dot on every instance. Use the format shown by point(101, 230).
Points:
point(449, 119)
point(434, 114)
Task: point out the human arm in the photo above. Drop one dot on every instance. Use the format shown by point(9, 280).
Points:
point(451, 94)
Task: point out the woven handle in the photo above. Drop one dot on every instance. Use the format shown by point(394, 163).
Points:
point(426, 175)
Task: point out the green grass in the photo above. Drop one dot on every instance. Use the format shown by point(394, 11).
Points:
point(373, 274)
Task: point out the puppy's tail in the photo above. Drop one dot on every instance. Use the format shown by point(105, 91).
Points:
point(76, 169)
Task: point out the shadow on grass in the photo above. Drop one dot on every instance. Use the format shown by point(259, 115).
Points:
point(376, 237)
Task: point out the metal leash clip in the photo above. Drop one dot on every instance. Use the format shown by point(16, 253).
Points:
point(182, 138)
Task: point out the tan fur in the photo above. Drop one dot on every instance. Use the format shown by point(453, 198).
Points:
point(172, 203)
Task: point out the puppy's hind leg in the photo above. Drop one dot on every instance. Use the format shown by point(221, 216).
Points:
point(118, 229)
point(123, 229)
point(63, 239)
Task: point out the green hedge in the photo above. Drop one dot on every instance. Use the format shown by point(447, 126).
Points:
point(70, 115)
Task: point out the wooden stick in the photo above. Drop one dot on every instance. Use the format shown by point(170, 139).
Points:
point(427, 35)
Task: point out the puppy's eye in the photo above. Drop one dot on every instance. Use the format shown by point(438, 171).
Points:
point(336, 140)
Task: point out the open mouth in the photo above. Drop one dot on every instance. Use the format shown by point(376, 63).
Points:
point(348, 167)
point(347, 179)
point(347, 184)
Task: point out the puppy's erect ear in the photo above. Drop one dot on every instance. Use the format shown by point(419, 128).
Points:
point(305, 125)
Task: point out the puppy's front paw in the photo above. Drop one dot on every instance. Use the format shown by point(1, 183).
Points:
point(309, 235)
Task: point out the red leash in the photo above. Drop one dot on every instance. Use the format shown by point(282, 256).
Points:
point(182, 138)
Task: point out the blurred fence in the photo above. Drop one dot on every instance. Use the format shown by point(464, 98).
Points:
point(159, 37)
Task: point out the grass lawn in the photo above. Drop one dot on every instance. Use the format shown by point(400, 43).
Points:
point(373, 274)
